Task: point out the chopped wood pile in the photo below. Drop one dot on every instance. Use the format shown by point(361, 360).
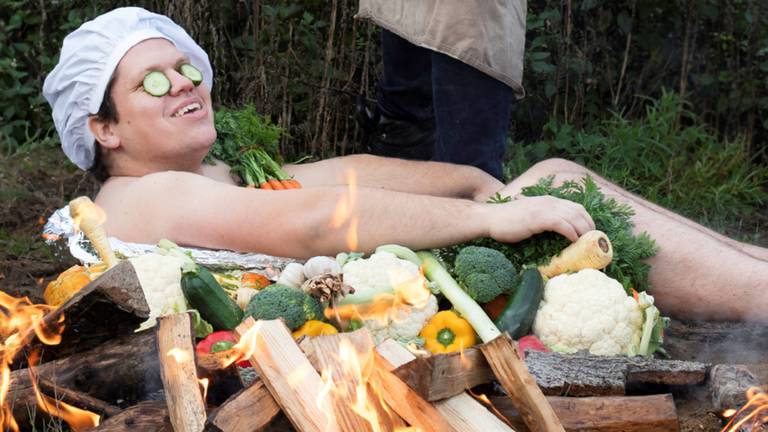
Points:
point(154, 380)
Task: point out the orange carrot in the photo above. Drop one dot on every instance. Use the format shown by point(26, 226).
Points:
point(276, 185)
point(295, 183)
point(254, 280)
point(287, 184)
point(635, 295)
point(265, 185)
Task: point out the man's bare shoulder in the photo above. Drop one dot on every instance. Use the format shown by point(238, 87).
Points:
point(138, 208)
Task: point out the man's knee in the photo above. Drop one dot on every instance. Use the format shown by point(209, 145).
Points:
point(554, 166)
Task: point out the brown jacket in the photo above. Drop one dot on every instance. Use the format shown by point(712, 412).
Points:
point(486, 34)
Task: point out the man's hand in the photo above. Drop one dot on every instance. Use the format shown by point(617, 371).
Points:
point(522, 218)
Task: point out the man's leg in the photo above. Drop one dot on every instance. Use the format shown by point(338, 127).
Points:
point(406, 128)
point(697, 272)
point(472, 113)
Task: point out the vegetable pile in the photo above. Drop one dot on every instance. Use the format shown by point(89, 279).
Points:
point(541, 291)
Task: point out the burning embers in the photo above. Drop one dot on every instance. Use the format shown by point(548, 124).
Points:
point(20, 322)
point(753, 416)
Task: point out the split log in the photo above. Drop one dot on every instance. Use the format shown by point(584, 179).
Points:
point(605, 414)
point(728, 385)
point(288, 375)
point(246, 411)
point(462, 411)
point(346, 360)
point(144, 416)
point(110, 306)
point(404, 401)
point(521, 387)
point(442, 376)
point(121, 371)
point(445, 375)
point(175, 347)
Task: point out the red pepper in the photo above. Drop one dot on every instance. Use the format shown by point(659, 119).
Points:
point(530, 342)
point(219, 341)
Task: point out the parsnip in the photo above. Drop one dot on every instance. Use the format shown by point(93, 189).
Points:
point(592, 250)
point(89, 218)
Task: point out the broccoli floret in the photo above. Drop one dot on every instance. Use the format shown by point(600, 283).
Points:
point(484, 273)
point(282, 301)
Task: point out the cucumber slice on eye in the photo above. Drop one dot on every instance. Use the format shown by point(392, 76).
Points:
point(156, 84)
point(192, 73)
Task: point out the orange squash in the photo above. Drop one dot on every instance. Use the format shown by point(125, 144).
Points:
point(69, 282)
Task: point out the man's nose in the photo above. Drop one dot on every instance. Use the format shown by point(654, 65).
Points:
point(179, 83)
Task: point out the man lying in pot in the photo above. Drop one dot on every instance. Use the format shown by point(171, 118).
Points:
point(131, 100)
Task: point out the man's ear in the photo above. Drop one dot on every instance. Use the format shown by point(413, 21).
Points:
point(104, 132)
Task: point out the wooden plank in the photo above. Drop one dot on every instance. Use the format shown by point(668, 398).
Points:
point(442, 376)
point(175, 347)
point(347, 366)
point(387, 418)
point(605, 413)
point(288, 374)
point(110, 306)
point(521, 387)
point(246, 411)
point(404, 401)
point(462, 411)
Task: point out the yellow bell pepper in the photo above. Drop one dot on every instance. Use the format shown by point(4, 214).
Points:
point(314, 328)
point(447, 332)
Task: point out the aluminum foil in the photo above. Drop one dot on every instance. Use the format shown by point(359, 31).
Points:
point(61, 228)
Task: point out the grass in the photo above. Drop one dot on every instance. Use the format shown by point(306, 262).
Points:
point(668, 157)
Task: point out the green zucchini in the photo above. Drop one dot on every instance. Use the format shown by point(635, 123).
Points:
point(192, 73)
point(209, 298)
point(156, 83)
point(518, 314)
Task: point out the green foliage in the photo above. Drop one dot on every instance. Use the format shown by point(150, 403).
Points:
point(239, 130)
point(584, 57)
point(629, 251)
point(668, 157)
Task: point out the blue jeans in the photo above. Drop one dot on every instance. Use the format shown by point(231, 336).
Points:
point(469, 109)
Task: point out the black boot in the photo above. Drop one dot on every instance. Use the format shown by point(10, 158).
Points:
point(395, 138)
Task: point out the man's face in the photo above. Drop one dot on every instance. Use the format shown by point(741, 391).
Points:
point(168, 132)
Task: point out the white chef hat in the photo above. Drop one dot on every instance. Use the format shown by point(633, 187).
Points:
point(75, 87)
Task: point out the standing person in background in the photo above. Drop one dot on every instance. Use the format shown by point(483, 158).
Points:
point(451, 71)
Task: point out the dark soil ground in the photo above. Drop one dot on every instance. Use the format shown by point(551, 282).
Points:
point(35, 183)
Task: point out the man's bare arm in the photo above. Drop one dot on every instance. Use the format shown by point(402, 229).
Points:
point(417, 177)
point(196, 211)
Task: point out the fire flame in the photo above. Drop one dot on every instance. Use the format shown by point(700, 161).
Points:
point(353, 385)
point(752, 415)
point(344, 212)
point(484, 399)
point(408, 292)
point(19, 321)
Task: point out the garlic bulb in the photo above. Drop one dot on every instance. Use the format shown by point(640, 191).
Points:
point(320, 265)
point(243, 296)
point(292, 275)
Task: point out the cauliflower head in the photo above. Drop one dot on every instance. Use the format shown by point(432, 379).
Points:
point(160, 280)
point(381, 273)
point(402, 322)
point(588, 310)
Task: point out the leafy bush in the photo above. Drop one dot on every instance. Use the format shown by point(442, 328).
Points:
point(668, 157)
